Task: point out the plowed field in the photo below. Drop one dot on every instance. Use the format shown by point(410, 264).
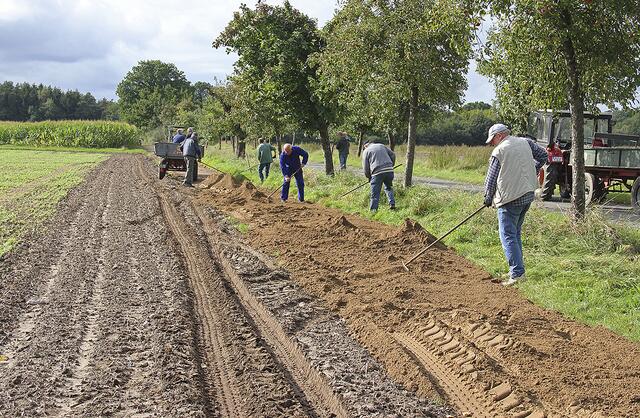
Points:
point(144, 299)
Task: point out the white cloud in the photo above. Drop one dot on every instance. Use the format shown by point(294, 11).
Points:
point(90, 45)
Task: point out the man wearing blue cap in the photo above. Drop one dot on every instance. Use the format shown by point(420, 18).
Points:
point(510, 185)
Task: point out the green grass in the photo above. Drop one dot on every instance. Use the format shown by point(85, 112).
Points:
point(589, 272)
point(31, 185)
point(456, 163)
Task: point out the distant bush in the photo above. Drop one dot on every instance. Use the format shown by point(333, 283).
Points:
point(70, 133)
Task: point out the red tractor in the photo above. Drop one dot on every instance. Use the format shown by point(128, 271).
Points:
point(612, 161)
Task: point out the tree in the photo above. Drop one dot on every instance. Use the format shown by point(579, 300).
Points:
point(151, 92)
point(274, 46)
point(405, 52)
point(548, 54)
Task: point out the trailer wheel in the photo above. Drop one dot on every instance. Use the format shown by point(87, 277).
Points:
point(594, 190)
point(550, 178)
point(635, 195)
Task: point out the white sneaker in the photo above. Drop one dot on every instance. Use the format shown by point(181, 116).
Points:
point(514, 280)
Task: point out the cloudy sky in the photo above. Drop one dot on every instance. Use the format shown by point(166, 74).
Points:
point(89, 45)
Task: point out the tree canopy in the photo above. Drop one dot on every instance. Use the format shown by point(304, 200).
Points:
point(36, 102)
point(150, 92)
point(274, 46)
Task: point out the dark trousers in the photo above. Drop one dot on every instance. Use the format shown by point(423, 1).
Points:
point(299, 185)
point(265, 167)
point(190, 162)
point(343, 160)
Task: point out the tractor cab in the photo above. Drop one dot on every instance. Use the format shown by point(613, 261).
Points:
point(553, 128)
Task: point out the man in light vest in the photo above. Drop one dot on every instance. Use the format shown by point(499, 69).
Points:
point(509, 186)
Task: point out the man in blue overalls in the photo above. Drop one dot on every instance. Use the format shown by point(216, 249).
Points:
point(291, 166)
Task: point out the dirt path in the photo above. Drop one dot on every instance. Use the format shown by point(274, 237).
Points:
point(444, 329)
point(138, 303)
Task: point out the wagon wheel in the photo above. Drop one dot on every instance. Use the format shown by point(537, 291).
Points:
point(594, 190)
point(635, 195)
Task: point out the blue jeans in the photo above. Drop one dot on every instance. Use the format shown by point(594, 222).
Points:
point(299, 185)
point(265, 167)
point(376, 187)
point(510, 219)
point(343, 160)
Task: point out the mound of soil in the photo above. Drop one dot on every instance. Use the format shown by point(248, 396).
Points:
point(444, 326)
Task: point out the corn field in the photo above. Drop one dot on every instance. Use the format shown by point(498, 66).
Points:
point(70, 133)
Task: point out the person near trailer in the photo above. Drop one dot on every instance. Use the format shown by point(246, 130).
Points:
point(179, 137)
point(189, 132)
point(342, 145)
point(292, 166)
point(512, 178)
point(265, 153)
point(377, 163)
point(190, 151)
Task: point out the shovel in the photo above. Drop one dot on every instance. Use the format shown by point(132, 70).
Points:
point(362, 185)
point(278, 189)
point(211, 167)
point(406, 263)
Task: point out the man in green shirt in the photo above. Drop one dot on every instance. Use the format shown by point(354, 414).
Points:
point(265, 153)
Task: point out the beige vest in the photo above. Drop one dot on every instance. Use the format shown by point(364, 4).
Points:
point(517, 170)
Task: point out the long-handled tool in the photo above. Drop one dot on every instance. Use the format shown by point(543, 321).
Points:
point(406, 263)
point(249, 168)
point(211, 167)
point(362, 185)
point(278, 189)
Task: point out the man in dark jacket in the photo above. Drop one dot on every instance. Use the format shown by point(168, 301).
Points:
point(343, 149)
point(179, 137)
point(377, 163)
point(190, 151)
point(291, 166)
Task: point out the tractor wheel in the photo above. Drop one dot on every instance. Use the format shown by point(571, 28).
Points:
point(550, 173)
point(161, 172)
point(635, 196)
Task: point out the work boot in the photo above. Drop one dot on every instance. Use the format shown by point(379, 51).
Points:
point(392, 207)
point(514, 280)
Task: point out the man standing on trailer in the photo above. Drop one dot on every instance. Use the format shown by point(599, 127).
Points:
point(510, 185)
point(291, 166)
point(377, 163)
point(265, 153)
point(178, 137)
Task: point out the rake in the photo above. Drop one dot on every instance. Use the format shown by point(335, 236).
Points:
point(405, 264)
point(362, 185)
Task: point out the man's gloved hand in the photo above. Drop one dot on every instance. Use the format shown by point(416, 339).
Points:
point(287, 179)
point(303, 166)
point(488, 203)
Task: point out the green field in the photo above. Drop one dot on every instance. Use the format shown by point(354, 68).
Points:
point(31, 185)
point(590, 272)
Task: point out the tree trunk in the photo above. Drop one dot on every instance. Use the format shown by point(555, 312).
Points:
point(279, 142)
point(293, 139)
point(360, 142)
point(326, 147)
point(233, 144)
point(392, 140)
point(576, 106)
point(411, 136)
point(220, 144)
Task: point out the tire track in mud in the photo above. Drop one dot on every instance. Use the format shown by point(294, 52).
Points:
point(311, 382)
point(223, 378)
